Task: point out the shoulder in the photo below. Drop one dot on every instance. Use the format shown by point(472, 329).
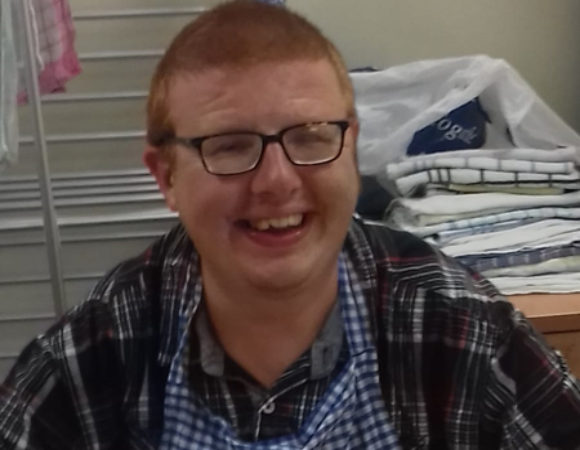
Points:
point(135, 305)
point(130, 279)
point(449, 342)
point(415, 280)
point(405, 257)
point(100, 353)
point(119, 318)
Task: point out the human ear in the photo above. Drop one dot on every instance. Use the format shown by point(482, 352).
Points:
point(159, 165)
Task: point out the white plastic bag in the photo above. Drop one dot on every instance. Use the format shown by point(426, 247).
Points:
point(8, 87)
point(395, 103)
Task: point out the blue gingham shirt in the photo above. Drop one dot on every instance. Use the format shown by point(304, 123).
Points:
point(459, 367)
point(350, 413)
point(257, 413)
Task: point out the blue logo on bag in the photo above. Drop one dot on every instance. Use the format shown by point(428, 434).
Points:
point(462, 128)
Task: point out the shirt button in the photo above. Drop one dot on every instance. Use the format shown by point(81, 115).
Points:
point(269, 407)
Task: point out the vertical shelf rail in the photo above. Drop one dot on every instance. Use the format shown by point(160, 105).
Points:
point(49, 213)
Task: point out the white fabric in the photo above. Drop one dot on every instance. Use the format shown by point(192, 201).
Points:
point(479, 203)
point(563, 154)
point(542, 229)
point(8, 86)
point(449, 236)
point(481, 159)
point(395, 103)
point(531, 189)
point(545, 233)
point(463, 224)
point(409, 183)
point(557, 265)
point(562, 283)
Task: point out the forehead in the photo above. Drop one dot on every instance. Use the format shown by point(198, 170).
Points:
point(264, 97)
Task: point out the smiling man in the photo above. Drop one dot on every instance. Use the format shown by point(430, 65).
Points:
point(270, 318)
point(263, 177)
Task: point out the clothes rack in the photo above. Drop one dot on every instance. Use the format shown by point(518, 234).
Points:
point(25, 191)
point(49, 213)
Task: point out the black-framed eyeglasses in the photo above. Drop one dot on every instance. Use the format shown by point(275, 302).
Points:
point(238, 152)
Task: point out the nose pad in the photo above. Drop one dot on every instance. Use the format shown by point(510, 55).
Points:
point(276, 174)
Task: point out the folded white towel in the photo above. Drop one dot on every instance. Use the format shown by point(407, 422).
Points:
point(407, 184)
point(562, 160)
point(441, 204)
point(561, 283)
point(407, 223)
point(545, 233)
point(556, 265)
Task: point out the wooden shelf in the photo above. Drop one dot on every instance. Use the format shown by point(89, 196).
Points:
point(557, 316)
point(550, 312)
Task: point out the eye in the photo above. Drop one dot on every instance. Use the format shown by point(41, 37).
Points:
point(312, 135)
point(229, 145)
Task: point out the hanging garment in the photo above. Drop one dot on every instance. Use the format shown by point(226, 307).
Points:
point(8, 87)
point(54, 45)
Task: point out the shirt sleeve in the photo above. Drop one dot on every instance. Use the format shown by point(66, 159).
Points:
point(532, 398)
point(64, 391)
point(36, 410)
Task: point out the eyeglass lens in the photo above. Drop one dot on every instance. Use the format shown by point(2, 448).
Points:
point(306, 144)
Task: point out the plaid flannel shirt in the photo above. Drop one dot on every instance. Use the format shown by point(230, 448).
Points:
point(459, 367)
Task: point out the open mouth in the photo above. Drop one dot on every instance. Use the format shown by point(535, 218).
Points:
point(277, 224)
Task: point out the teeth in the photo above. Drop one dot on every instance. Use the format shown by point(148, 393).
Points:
point(278, 223)
point(261, 225)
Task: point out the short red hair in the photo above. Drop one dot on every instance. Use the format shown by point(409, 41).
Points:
point(237, 35)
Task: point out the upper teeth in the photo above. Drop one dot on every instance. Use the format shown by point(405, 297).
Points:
point(281, 222)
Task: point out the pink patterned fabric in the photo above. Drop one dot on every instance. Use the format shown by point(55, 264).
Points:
point(55, 45)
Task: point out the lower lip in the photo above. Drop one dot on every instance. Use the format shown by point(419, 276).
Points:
point(278, 239)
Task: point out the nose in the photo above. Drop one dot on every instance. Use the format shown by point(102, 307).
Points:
point(276, 177)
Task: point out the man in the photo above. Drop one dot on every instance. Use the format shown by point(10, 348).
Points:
point(269, 318)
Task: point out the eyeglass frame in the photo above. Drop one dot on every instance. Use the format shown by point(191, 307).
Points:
point(196, 142)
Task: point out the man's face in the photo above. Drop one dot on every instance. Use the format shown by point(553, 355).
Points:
point(223, 214)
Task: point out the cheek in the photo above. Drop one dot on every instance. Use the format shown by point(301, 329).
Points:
point(347, 177)
point(338, 189)
point(208, 204)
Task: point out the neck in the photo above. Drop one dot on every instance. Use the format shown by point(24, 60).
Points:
point(264, 331)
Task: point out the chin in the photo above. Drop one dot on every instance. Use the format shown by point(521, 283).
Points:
point(278, 279)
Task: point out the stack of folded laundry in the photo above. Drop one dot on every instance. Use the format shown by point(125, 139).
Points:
point(480, 166)
point(510, 214)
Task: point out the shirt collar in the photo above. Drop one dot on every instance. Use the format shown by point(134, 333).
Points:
point(324, 352)
point(178, 260)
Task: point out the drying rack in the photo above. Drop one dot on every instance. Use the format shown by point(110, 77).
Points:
point(41, 140)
